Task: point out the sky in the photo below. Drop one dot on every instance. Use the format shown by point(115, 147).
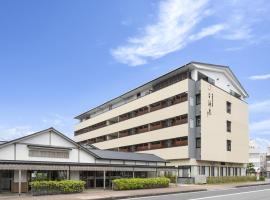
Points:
point(60, 58)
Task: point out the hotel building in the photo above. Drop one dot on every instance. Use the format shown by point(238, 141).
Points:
point(195, 117)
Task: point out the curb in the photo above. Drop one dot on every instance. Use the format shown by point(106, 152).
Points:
point(147, 195)
point(251, 185)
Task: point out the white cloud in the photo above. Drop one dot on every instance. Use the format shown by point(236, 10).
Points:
point(260, 77)
point(261, 144)
point(181, 22)
point(211, 30)
point(263, 106)
point(234, 48)
point(260, 127)
point(14, 132)
point(175, 21)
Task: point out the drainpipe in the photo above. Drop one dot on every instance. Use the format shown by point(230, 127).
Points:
point(20, 181)
point(104, 179)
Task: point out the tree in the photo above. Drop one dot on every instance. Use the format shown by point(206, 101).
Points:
point(250, 168)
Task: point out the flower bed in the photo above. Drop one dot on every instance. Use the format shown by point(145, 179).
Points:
point(56, 187)
point(140, 183)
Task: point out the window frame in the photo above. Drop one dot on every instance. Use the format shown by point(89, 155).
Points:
point(228, 107)
point(229, 126)
point(198, 143)
point(229, 145)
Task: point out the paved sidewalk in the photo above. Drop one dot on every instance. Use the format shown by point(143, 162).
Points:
point(234, 185)
point(99, 194)
point(107, 194)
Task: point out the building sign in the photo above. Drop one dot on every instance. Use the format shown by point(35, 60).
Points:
point(210, 100)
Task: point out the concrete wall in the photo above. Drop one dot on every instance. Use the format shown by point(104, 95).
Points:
point(214, 135)
point(159, 95)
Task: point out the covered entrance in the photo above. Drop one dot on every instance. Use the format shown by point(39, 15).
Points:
point(95, 179)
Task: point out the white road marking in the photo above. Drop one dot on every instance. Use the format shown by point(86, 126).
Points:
point(225, 195)
point(217, 196)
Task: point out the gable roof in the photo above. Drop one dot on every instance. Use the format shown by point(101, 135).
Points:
point(224, 69)
point(51, 129)
point(97, 153)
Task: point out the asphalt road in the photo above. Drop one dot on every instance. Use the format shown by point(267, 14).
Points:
point(247, 193)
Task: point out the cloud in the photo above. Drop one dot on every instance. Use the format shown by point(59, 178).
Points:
point(175, 21)
point(181, 22)
point(263, 106)
point(260, 127)
point(260, 77)
point(14, 132)
point(261, 144)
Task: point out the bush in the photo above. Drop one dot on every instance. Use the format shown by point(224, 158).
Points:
point(140, 183)
point(230, 179)
point(171, 177)
point(262, 178)
point(56, 187)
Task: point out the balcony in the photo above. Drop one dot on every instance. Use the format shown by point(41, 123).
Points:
point(124, 133)
point(101, 139)
point(155, 126)
point(157, 145)
point(141, 111)
point(142, 147)
point(123, 117)
point(155, 106)
point(142, 129)
point(124, 149)
point(179, 142)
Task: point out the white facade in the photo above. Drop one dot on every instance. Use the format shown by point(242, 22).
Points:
point(55, 156)
point(257, 156)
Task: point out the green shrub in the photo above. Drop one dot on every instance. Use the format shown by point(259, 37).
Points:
point(56, 187)
point(140, 183)
point(230, 179)
point(171, 177)
point(262, 178)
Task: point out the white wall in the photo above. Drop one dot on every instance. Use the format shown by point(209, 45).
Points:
point(22, 150)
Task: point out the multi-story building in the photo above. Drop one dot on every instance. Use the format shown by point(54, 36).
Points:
point(194, 116)
point(268, 163)
point(257, 156)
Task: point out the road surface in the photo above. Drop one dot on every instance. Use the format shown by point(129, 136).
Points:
point(247, 193)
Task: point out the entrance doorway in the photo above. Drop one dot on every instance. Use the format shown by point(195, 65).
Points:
point(6, 178)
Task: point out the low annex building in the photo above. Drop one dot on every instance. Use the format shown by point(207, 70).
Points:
point(49, 154)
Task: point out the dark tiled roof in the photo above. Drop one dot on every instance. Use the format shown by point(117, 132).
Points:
point(115, 155)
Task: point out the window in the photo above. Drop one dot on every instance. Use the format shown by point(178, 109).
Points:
point(202, 170)
point(48, 153)
point(198, 121)
point(229, 126)
point(198, 99)
point(198, 142)
point(228, 107)
point(229, 145)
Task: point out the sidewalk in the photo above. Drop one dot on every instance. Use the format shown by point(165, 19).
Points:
point(107, 194)
point(99, 194)
point(234, 185)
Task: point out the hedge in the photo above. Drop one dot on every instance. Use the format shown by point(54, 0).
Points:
point(230, 179)
point(56, 187)
point(140, 183)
